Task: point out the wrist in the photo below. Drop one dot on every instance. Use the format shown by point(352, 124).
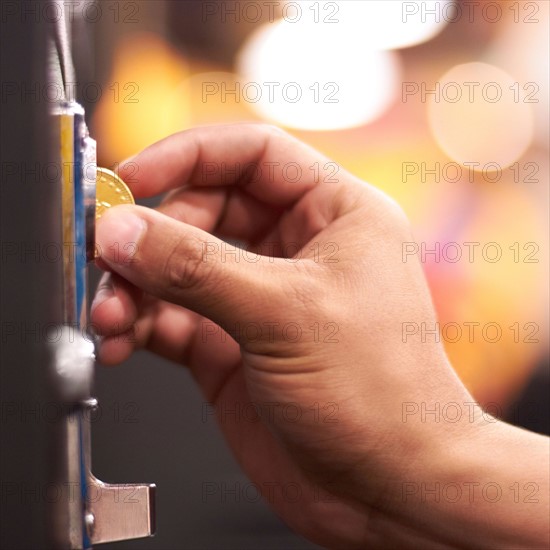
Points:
point(485, 486)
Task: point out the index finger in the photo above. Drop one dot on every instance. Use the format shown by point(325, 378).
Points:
point(262, 160)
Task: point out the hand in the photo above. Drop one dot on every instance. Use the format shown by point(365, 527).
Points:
point(311, 318)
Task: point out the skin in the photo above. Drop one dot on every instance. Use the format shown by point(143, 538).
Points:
point(362, 460)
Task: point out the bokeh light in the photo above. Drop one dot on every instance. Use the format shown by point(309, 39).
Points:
point(141, 104)
point(308, 76)
point(383, 24)
point(518, 49)
point(479, 114)
point(487, 300)
point(211, 94)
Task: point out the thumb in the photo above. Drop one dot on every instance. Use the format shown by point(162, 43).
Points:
point(187, 266)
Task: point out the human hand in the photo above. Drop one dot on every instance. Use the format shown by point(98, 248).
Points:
point(316, 318)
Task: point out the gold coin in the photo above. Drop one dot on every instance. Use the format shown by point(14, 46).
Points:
point(110, 191)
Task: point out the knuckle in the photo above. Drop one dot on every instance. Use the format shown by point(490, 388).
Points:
point(386, 217)
point(271, 132)
point(398, 217)
point(185, 268)
point(270, 129)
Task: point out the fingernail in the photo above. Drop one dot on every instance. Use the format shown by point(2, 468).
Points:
point(103, 293)
point(118, 234)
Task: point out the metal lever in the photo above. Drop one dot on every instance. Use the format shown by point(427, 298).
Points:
point(116, 511)
point(123, 512)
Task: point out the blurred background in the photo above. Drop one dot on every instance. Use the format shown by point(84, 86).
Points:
point(443, 105)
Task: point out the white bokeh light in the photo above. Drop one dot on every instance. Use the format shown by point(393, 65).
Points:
point(479, 114)
point(314, 77)
point(385, 24)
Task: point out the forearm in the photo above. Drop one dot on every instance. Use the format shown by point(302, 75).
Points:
point(488, 489)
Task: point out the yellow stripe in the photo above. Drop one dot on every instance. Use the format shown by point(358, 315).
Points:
point(67, 201)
